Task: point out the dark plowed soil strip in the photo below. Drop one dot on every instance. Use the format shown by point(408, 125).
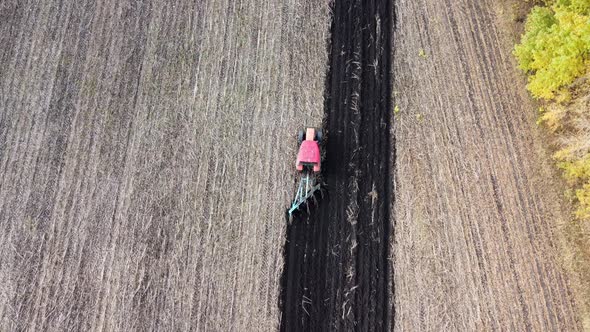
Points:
point(336, 268)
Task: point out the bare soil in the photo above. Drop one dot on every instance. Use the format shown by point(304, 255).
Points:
point(146, 159)
point(474, 238)
point(336, 268)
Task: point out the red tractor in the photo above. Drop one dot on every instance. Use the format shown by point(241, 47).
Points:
point(309, 150)
point(309, 161)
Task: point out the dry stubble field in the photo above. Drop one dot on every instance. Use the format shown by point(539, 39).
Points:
point(143, 159)
point(144, 169)
point(474, 243)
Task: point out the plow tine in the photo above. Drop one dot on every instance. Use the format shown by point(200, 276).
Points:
point(288, 216)
point(307, 192)
point(293, 214)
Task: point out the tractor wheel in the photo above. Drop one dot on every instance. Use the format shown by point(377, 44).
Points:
point(319, 135)
point(300, 136)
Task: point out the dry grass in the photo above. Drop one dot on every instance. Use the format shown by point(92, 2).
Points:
point(573, 128)
point(143, 153)
point(571, 142)
point(475, 245)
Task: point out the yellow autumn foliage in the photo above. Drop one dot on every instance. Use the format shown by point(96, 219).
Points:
point(554, 52)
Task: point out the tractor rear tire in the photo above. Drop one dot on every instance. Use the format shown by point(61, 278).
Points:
point(319, 135)
point(300, 137)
